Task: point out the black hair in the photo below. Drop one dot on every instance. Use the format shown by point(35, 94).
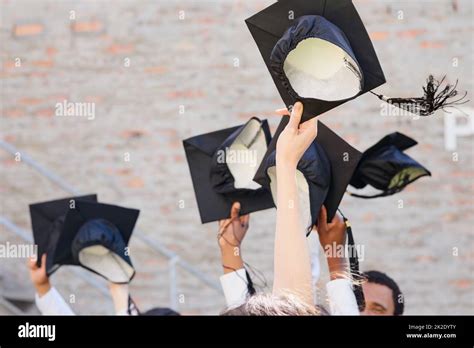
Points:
point(160, 311)
point(157, 311)
point(377, 277)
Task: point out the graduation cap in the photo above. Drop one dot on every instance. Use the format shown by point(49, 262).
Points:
point(318, 52)
point(434, 98)
point(386, 167)
point(323, 173)
point(80, 231)
point(222, 166)
point(47, 221)
point(95, 236)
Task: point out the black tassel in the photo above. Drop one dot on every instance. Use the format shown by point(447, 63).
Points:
point(354, 266)
point(432, 100)
point(250, 287)
point(258, 275)
point(248, 279)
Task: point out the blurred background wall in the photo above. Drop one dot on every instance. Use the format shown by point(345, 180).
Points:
point(161, 71)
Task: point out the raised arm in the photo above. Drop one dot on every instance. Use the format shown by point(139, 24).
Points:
point(332, 237)
point(47, 298)
point(231, 234)
point(120, 297)
point(292, 268)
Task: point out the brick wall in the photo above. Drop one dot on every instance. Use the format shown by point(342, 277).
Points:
point(160, 71)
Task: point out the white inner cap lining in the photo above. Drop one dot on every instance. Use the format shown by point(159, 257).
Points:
point(244, 156)
point(107, 263)
point(303, 195)
point(321, 70)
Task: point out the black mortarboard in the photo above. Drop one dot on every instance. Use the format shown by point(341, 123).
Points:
point(95, 236)
point(327, 166)
point(47, 220)
point(222, 166)
point(318, 52)
point(386, 167)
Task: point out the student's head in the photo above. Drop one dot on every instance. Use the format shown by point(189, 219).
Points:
point(382, 295)
point(160, 311)
point(262, 304)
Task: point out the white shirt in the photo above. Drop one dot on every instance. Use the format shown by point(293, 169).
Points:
point(52, 303)
point(234, 285)
point(341, 298)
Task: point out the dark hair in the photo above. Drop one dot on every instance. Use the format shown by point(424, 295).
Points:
point(161, 311)
point(377, 277)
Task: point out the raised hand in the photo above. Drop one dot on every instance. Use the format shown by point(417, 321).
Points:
point(295, 138)
point(38, 275)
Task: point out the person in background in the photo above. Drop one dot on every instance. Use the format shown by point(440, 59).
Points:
point(235, 281)
point(382, 295)
point(292, 290)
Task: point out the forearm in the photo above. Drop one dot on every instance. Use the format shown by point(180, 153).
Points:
point(292, 262)
point(120, 295)
point(231, 258)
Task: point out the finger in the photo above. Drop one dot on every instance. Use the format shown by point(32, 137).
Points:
point(331, 225)
point(334, 222)
point(295, 117)
point(224, 226)
point(222, 223)
point(309, 129)
point(32, 264)
point(234, 212)
point(237, 226)
point(282, 112)
point(335, 219)
point(244, 220)
point(322, 218)
point(312, 123)
point(43, 262)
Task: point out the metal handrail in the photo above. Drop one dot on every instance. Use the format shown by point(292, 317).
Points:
point(174, 258)
point(10, 306)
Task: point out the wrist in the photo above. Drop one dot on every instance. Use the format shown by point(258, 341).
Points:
point(337, 267)
point(43, 288)
point(231, 253)
point(286, 162)
point(286, 171)
point(231, 259)
point(230, 267)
